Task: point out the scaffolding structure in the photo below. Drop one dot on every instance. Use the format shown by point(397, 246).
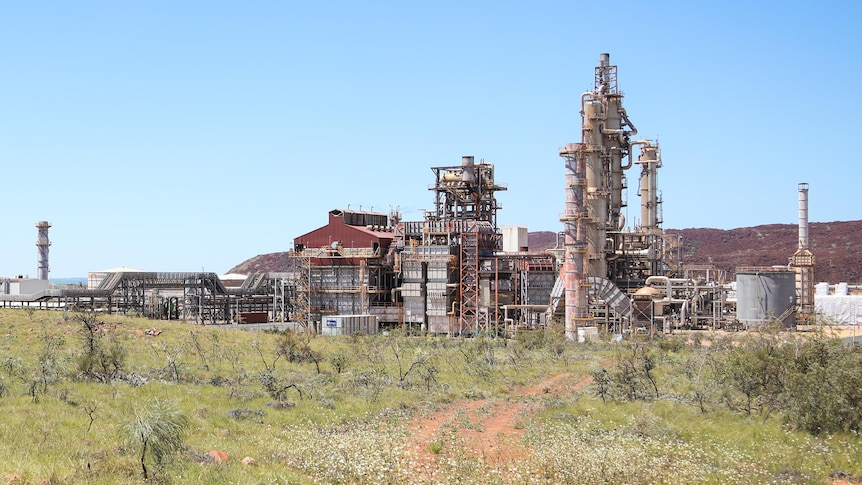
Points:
point(803, 262)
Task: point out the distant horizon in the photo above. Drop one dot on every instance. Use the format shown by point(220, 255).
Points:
point(83, 279)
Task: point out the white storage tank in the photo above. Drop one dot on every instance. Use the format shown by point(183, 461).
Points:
point(763, 296)
point(842, 289)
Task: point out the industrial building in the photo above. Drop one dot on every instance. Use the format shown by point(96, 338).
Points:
point(447, 274)
point(457, 273)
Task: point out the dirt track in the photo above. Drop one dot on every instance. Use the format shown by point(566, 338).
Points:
point(490, 429)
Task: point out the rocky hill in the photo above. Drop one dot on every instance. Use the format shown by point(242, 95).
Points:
point(837, 248)
point(264, 263)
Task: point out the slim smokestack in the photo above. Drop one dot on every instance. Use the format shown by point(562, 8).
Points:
point(42, 244)
point(604, 59)
point(803, 216)
point(803, 262)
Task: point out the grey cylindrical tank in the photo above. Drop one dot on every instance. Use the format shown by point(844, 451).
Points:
point(763, 296)
point(468, 170)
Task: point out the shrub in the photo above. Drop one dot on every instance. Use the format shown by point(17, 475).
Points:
point(157, 431)
point(99, 360)
point(435, 447)
point(824, 391)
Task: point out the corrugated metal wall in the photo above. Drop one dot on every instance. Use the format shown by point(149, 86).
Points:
point(438, 295)
point(412, 291)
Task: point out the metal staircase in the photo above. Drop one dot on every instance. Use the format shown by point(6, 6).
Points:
point(601, 288)
point(606, 290)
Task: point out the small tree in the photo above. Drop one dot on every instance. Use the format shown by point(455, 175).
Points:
point(753, 373)
point(29, 311)
point(98, 360)
point(156, 431)
point(824, 389)
point(339, 361)
point(48, 368)
point(296, 348)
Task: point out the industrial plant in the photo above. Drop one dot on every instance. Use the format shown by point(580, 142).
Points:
point(456, 272)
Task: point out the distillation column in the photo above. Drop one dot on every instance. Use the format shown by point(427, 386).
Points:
point(803, 262)
point(42, 245)
point(574, 223)
point(605, 143)
point(597, 191)
point(614, 136)
point(650, 161)
point(594, 193)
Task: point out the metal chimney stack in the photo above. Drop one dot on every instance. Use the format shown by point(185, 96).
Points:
point(803, 216)
point(42, 244)
point(803, 263)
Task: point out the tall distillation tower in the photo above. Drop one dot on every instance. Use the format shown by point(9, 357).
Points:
point(803, 262)
point(594, 185)
point(645, 246)
point(605, 134)
point(42, 245)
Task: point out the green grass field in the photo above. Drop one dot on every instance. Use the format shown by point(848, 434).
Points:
point(336, 410)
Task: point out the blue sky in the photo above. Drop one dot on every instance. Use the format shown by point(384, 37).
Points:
point(176, 136)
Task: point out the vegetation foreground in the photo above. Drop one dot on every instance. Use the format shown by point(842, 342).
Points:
point(92, 398)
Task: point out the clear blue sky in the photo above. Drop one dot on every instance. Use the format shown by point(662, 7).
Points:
point(175, 136)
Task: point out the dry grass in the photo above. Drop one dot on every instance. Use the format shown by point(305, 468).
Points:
point(354, 426)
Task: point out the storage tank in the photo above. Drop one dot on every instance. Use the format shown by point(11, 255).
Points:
point(764, 296)
point(842, 289)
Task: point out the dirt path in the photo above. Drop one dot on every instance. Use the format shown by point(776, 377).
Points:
point(489, 429)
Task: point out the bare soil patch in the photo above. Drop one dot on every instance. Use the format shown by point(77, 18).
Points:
point(488, 429)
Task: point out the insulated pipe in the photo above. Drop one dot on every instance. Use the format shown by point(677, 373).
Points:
point(584, 97)
point(628, 165)
point(670, 284)
point(632, 145)
point(664, 279)
point(625, 116)
point(683, 313)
